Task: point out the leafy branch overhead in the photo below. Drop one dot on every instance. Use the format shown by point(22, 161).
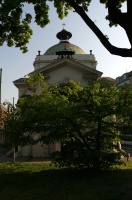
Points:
point(15, 23)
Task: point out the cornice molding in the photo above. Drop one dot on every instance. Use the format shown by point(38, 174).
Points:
point(69, 62)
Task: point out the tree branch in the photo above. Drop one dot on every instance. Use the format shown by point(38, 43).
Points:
point(115, 15)
point(105, 42)
point(121, 18)
point(129, 7)
point(79, 134)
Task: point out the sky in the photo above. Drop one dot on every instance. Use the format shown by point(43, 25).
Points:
point(16, 65)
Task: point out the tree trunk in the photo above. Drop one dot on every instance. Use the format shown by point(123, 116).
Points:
point(98, 147)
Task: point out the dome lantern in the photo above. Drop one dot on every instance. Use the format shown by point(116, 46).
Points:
point(63, 35)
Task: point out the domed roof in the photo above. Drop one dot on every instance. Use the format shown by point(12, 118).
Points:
point(64, 44)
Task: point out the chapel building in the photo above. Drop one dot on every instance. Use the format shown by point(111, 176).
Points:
point(60, 63)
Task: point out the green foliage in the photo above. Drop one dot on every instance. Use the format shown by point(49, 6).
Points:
point(86, 121)
point(83, 120)
point(73, 155)
point(15, 23)
point(12, 129)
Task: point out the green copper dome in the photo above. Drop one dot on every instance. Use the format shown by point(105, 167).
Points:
point(64, 44)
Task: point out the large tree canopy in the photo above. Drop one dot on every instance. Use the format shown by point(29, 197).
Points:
point(83, 120)
point(15, 23)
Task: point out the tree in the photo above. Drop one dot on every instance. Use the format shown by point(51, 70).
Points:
point(15, 24)
point(12, 131)
point(14, 123)
point(2, 118)
point(126, 109)
point(83, 120)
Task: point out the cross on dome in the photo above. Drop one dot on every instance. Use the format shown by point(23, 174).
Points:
point(63, 25)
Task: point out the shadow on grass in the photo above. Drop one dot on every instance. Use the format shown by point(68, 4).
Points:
point(39, 181)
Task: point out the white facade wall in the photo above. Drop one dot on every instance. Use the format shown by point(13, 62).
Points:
point(39, 150)
point(86, 59)
point(65, 74)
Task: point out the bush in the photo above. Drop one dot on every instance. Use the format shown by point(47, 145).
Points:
point(83, 158)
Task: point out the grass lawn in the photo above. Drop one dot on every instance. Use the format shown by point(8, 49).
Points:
point(21, 181)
